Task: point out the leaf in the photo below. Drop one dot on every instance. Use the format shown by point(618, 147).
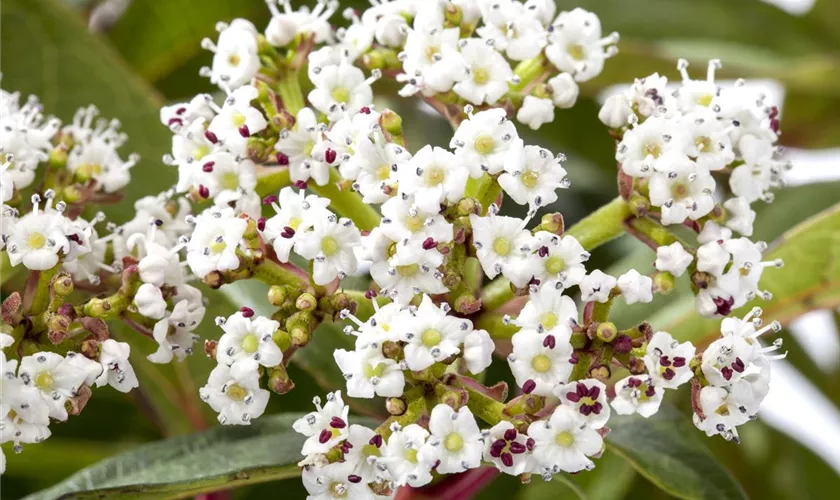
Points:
point(665, 449)
point(317, 357)
point(810, 279)
point(158, 37)
point(184, 466)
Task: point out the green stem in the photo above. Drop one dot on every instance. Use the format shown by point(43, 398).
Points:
point(273, 181)
point(272, 273)
point(485, 407)
point(601, 310)
point(596, 229)
point(649, 232)
point(42, 292)
point(290, 92)
point(347, 203)
point(107, 308)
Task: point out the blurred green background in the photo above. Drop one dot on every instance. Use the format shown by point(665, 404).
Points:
point(146, 52)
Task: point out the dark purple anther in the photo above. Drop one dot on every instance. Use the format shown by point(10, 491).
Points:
point(529, 386)
point(246, 311)
point(244, 132)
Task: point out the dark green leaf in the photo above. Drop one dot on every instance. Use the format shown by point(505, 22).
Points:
point(221, 458)
point(666, 449)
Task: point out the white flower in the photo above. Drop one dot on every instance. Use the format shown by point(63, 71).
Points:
point(697, 94)
point(116, 370)
point(739, 216)
point(149, 301)
point(357, 38)
point(564, 90)
point(378, 163)
point(408, 271)
point(532, 175)
point(235, 59)
point(89, 367)
point(404, 221)
point(486, 74)
point(455, 440)
point(681, 190)
point(535, 111)
point(284, 26)
point(589, 398)
point(482, 141)
point(341, 87)
point(433, 176)
point(541, 9)
point(182, 115)
point(431, 334)
point(564, 442)
point(431, 59)
point(637, 394)
point(635, 287)
point(296, 213)
point(504, 246)
point(54, 377)
point(299, 146)
point(94, 154)
point(708, 139)
point(549, 311)
point(38, 237)
point(727, 359)
point(378, 328)
point(508, 450)
point(325, 427)
point(7, 185)
point(644, 148)
point(667, 361)
point(562, 260)
point(330, 244)
point(615, 111)
point(722, 413)
point(234, 392)
point(401, 456)
point(160, 265)
point(478, 351)
point(575, 44)
point(238, 120)
point(169, 216)
point(596, 286)
point(539, 361)
point(216, 236)
point(512, 28)
point(246, 339)
point(673, 259)
point(364, 454)
point(335, 480)
point(369, 373)
point(173, 339)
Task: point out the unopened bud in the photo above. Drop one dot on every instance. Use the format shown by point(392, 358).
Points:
point(63, 284)
point(467, 304)
point(210, 348)
point(615, 111)
point(391, 122)
point(395, 406)
point(607, 331)
point(282, 339)
point(306, 302)
point(58, 157)
point(553, 223)
point(279, 381)
point(638, 205)
point(453, 15)
point(71, 194)
point(277, 295)
point(622, 344)
point(579, 340)
point(467, 206)
point(600, 372)
point(391, 350)
point(664, 283)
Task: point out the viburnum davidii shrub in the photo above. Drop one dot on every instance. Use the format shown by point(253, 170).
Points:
point(345, 195)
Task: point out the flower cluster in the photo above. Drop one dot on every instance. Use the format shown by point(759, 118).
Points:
point(302, 191)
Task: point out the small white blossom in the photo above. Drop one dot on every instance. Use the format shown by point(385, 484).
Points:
point(508, 450)
point(116, 369)
point(549, 311)
point(668, 361)
point(535, 112)
point(482, 141)
point(635, 287)
point(248, 339)
point(330, 244)
point(369, 373)
point(325, 427)
point(431, 334)
point(589, 398)
point(532, 175)
point(486, 74)
point(564, 442)
point(539, 361)
point(296, 213)
point(564, 90)
point(433, 176)
point(402, 458)
point(575, 44)
point(149, 301)
point(455, 440)
point(673, 259)
point(215, 239)
point(234, 392)
point(478, 351)
point(235, 59)
point(340, 87)
point(596, 286)
point(562, 258)
point(504, 246)
point(637, 394)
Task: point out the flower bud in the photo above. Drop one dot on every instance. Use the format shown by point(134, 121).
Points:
point(606, 331)
point(277, 295)
point(663, 283)
point(281, 31)
point(615, 111)
point(564, 90)
point(279, 381)
point(282, 339)
point(391, 122)
point(638, 205)
point(306, 302)
point(391, 350)
point(623, 344)
point(600, 372)
point(553, 223)
point(71, 194)
point(395, 406)
point(210, 348)
point(467, 304)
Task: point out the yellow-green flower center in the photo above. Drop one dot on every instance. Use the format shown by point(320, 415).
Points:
point(294, 222)
point(541, 363)
point(200, 152)
point(36, 241)
point(651, 149)
point(383, 172)
point(370, 450)
point(250, 343)
point(577, 52)
point(564, 439)
point(548, 320)
point(434, 176)
point(501, 246)
point(430, 337)
point(679, 190)
point(453, 442)
point(481, 76)
point(410, 455)
point(340, 94)
point(308, 147)
point(230, 181)
point(529, 178)
point(555, 264)
point(408, 271)
point(704, 99)
point(414, 223)
point(44, 381)
point(238, 119)
point(485, 144)
point(236, 392)
point(329, 246)
point(234, 60)
point(374, 371)
point(218, 246)
point(704, 144)
point(338, 490)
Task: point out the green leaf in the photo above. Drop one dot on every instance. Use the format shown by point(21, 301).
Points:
point(158, 37)
point(610, 480)
point(666, 449)
point(184, 466)
point(560, 486)
point(810, 279)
